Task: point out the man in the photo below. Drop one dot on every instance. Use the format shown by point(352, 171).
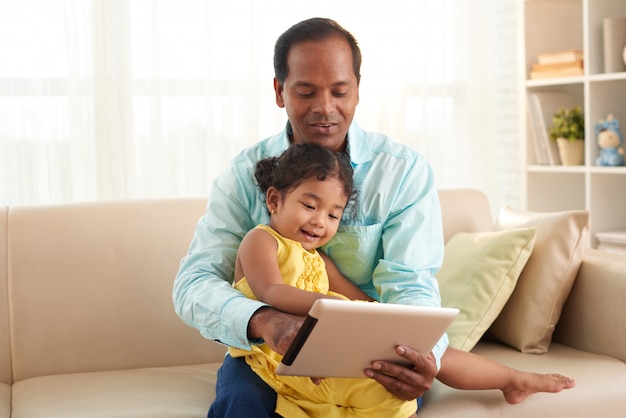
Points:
point(391, 248)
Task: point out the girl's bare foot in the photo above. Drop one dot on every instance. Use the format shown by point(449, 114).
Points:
point(533, 383)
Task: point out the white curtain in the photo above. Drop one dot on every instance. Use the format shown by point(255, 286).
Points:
point(114, 99)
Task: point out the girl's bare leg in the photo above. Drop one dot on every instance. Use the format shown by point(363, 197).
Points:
point(463, 370)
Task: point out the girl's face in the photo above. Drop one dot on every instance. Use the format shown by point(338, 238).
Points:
point(309, 214)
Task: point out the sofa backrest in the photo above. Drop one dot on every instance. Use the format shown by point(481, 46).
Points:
point(90, 287)
point(5, 351)
point(464, 210)
point(87, 287)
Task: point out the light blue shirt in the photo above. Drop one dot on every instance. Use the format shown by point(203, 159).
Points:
point(391, 246)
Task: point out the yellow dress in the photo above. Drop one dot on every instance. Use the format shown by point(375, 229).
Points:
point(299, 396)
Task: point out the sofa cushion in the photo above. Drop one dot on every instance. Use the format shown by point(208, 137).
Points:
point(173, 392)
point(593, 318)
point(5, 400)
point(528, 319)
point(599, 390)
point(478, 275)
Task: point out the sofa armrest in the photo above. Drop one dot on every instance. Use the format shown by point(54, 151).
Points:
point(594, 318)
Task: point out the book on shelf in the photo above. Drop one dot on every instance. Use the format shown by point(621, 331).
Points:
point(612, 241)
point(563, 72)
point(534, 135)
point(558, 64)
point(570, 55)
point(542, 106)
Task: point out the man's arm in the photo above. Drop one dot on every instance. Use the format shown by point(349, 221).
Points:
point(203, 296)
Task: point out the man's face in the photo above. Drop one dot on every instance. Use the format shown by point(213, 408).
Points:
point(320, 92)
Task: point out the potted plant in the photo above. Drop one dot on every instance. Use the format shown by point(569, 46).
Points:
point(568, 130)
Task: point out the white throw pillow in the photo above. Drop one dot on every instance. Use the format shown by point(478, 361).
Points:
point(528, 319)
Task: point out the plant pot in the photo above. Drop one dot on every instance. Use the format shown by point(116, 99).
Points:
point(571, 152)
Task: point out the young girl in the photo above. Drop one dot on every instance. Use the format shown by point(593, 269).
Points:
point(307, 189)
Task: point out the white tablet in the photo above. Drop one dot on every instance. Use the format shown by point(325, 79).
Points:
point(341, 338)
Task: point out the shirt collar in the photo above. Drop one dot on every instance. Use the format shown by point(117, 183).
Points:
point(358, 148)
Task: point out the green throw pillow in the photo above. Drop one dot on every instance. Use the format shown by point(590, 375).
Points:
point(478, 275)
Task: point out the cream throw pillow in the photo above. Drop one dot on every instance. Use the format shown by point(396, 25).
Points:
point(478, 275)
point(528, 319)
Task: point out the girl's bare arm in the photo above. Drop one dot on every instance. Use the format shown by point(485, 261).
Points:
point(340, 283)
point(258, 262)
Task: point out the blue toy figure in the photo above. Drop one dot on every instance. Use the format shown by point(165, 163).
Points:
point(610, 141)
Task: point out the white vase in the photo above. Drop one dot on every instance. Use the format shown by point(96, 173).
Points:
point(571, 152)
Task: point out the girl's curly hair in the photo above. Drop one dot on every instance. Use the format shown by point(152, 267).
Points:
point(301, 162)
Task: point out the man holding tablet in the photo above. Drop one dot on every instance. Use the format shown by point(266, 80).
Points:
point(390, 249)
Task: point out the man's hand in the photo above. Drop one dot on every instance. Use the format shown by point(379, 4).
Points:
point(406, 383)
point(277, 328)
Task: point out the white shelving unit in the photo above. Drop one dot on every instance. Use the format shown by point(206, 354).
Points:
point(555, 25)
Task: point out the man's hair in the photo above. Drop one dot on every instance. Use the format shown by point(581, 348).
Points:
point(314, 29)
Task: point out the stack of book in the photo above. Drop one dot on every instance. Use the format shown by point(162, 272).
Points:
point(558, 64)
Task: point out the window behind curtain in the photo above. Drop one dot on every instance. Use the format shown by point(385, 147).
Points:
point(111, 99)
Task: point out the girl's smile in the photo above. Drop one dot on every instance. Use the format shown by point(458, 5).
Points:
point(310, 213)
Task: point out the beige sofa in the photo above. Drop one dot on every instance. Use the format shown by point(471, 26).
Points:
point(87, 326)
